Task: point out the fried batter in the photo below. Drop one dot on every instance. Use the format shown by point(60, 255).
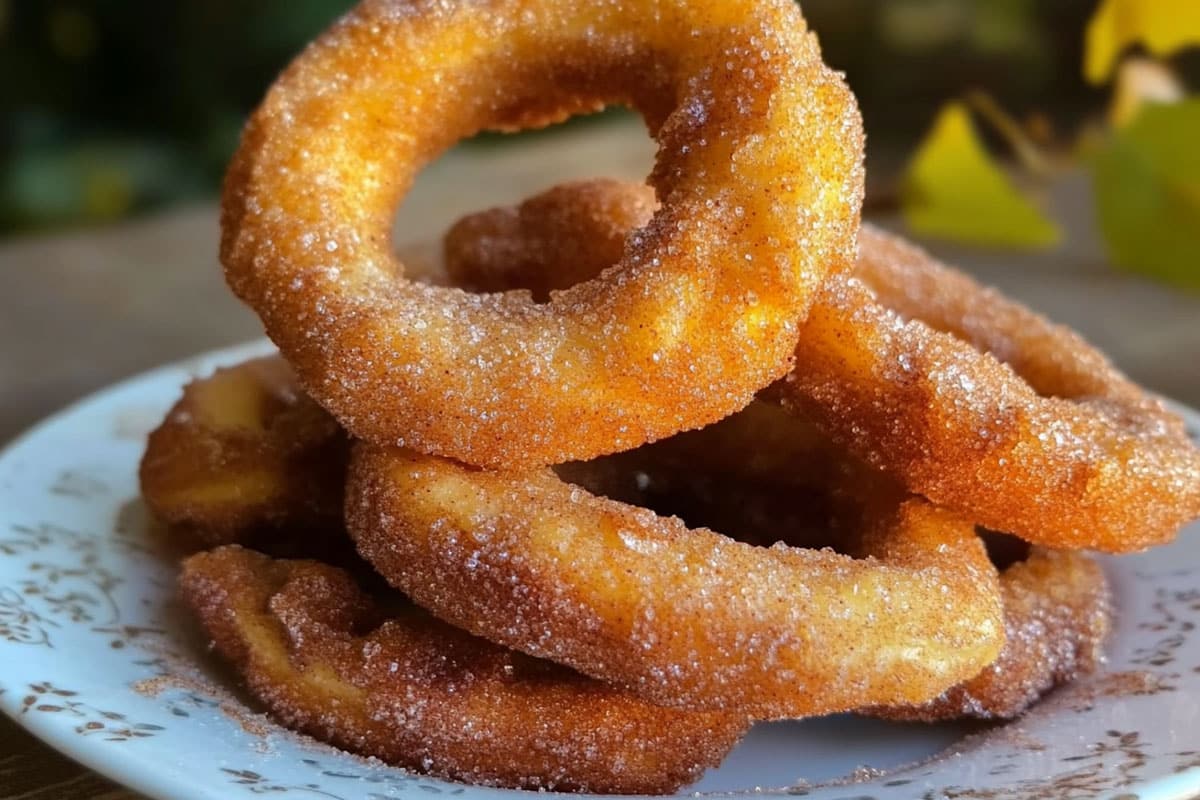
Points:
point(700, 312)
point(245, 449)
point(984, 406)
point(968, 397)
point(762, 475)
point(1057, 614)
point(683, 617)
point(383, 678)
point(765, 476)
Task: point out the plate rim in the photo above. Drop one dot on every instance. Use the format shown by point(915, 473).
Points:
point(77, 748)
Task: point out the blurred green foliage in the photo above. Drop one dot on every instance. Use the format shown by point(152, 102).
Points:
point(114, 106)
point(1148, 193)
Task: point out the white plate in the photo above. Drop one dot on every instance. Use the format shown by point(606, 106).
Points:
point(88, 620)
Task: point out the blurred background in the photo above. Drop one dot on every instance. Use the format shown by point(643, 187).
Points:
point(112, 108)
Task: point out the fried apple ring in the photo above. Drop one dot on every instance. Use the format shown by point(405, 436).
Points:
point(761, 474)
point(245, 449)
point(1057, 615)
point(385, 679)
point(971, 399)
point(984, 406)
point(683, 617)
point(748, 473)
point(563, 236)
point(760, 144)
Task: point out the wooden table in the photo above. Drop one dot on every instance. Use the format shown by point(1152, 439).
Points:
point(83, 309)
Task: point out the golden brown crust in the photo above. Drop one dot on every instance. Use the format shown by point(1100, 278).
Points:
point(990, 409)
point(766, 476)
point(762, 475)
point(700, 312)
point(684, 617)
point(1057, 615)
point(537, 245)
point(388, 680)
point(969, 398)
point(244, 449)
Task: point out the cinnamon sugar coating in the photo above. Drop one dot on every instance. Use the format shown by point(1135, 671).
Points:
point(548, 242)
point(747, 473)
point(762, 475)
point(1057, 615)
point(242, 450)
point(683, 617)
point(984, 406)
point(766, 476)
point(565, 235)
point(380, 677)
point(969, 398)
point(760, 148)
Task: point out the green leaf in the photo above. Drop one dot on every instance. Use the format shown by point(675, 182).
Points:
point(954, 190)
point(1147, 187)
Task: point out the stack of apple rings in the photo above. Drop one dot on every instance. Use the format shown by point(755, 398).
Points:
point(656, 461)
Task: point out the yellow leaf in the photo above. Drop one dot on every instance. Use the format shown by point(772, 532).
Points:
point(1162, 26)
point(954, 190)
